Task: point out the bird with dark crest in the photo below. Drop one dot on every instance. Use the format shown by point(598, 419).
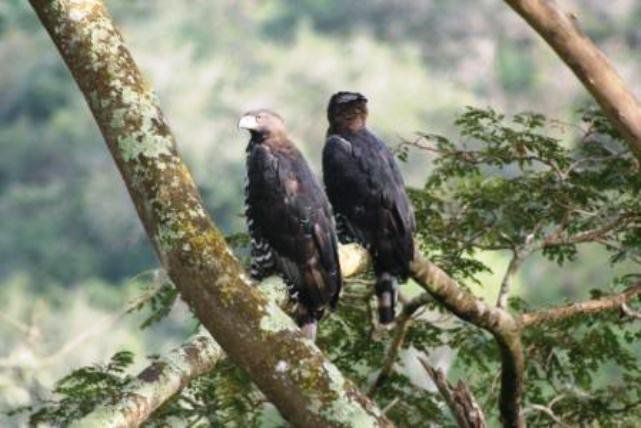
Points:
point(289, 219)
point(366, 189)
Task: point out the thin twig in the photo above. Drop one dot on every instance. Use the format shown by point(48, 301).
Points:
point(390, 405)
point(546, 411)
point(506, 283)
point(402, 323)
point(630, 312)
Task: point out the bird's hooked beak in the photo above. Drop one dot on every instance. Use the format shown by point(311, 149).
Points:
point(248, 122)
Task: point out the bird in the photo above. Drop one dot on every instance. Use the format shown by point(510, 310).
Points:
point(290, 220)
point(366, 190)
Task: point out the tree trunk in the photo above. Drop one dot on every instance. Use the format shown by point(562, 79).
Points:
point(255, 333)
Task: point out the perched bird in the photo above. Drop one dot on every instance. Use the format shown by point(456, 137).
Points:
point(289, 219)
point(366, 190)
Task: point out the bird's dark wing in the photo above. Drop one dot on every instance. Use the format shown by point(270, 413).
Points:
point(365, 186)
point(262, 258)
point(291, 212)
point(346, 184)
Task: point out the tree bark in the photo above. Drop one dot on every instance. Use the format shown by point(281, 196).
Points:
point(167, 376)
point(561, 31)
point(254, 332)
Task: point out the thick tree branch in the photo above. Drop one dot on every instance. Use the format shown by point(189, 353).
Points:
point(167, 376)
point(495, 320)
point(561, 31)
point(254, 332)
point(578, 309)
point(458, 398)
point(156, 384)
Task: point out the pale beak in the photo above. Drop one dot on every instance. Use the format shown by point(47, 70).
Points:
point(248, 122)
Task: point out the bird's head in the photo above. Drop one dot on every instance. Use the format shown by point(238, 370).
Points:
point(262, 124)
point(347, 111)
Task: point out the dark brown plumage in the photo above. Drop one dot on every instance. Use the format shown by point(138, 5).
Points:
point(366, 189)
point(289, 219)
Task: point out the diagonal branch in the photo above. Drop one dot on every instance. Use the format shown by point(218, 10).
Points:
point(253, 331)
point(561, 31)
point(627, 310)
point(167, 376)
point(546, 410)
point(583, 308)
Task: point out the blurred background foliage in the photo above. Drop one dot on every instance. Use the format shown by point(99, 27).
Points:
point(70, 242)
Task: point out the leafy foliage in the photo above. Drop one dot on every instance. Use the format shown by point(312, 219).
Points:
point(159, 296)
point(79, 392)
point(537, 188)
point(509, 185)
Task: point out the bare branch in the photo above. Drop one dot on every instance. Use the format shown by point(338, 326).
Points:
point(459, 398)
point(506, 283)
point(253, 331)
point(98, 328)
point(18, 325)
point(578, 309)
point(561, 31)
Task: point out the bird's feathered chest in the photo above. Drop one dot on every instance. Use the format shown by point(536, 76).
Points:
point(282, 192)
point(290, 222)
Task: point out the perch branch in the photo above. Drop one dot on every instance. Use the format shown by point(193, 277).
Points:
point(199, 356)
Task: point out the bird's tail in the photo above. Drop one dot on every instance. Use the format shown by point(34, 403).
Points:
point(386, 293)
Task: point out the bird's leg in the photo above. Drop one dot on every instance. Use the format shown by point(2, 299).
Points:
point(386, 293)
point(306, 321)
point(309, 330)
